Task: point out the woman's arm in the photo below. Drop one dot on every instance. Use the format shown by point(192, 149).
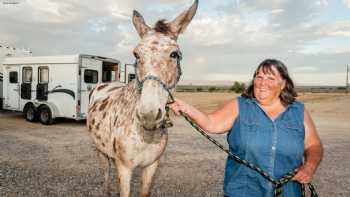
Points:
point(217, 122)
point(313, 151)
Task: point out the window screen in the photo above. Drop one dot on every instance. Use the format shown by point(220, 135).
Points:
point(27, 75)
point(43, 75)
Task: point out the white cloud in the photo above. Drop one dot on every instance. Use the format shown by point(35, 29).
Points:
point(49, 11)
point(322, 3)
point(330, 38)
point(304, 69)
point(228, 77)
point(339, 28)
point(214, 31)
point(277, 11)
point(223, 78)
point(340, 33)
point(98, 25)
point(47, 7)
point(347, 3)
point(229, 29)
point(119, 14)
point(329, 79)
point(317, 50)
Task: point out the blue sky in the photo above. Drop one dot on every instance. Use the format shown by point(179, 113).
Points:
point(225, 41)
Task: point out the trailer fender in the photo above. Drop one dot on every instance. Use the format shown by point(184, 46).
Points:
point(53, 108)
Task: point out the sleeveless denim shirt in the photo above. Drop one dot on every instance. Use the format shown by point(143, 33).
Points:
point(276, 146)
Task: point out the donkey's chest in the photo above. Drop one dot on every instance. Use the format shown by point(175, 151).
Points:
point(140, 153)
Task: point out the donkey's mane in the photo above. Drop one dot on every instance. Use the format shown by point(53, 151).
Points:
point(162, 27)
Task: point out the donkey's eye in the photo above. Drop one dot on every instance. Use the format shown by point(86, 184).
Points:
point(136, 55)
point(175, 55)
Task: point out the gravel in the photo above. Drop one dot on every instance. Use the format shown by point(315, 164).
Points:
point(60, 160)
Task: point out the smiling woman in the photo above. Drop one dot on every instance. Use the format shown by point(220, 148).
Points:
point(268, 127)
point(275, 78)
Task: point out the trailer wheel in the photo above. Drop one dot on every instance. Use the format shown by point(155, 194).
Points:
point(30, 113)
point(45, 115)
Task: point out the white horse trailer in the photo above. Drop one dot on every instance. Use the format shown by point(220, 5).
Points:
point(47, 87)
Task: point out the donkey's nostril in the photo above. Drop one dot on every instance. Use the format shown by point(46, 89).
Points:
point(159, 115)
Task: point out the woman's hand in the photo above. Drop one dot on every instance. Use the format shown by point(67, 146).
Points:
point(304, 174)
point(217, 122)
point(178, 106)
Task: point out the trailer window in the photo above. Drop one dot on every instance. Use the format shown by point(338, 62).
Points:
point(110, 72)
point(43, 75)
point(27, 75)
point(13, 77)
point(90, 76)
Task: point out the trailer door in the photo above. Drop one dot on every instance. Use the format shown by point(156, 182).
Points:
point(90, 76)
point(12, 98)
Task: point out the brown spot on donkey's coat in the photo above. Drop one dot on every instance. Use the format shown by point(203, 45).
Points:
point(104, 104)
point(101, 87)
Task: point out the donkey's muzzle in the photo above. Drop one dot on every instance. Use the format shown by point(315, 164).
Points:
point(150, 120)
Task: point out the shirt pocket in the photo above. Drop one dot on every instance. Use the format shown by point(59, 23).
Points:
point(251, 136)
point(292, 140)
point(293, 130)
point(250, 125)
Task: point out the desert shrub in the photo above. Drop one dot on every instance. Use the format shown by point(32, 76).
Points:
point(212, 88)
point(199, 89)
point(238, 87)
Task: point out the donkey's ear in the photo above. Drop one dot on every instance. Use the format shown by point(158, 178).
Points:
point(179, 24)
point(141, 27)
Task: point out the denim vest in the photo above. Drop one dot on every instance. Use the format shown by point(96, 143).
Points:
point(276, 146)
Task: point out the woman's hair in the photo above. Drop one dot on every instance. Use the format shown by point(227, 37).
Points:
point(288, 93)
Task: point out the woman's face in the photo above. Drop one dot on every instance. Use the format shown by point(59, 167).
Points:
point(268, 86)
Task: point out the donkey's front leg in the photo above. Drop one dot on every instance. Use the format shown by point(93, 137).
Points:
point(124, 178)
point(147, 175)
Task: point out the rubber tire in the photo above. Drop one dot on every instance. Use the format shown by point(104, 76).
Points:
point(45, 115)
point(30, 113)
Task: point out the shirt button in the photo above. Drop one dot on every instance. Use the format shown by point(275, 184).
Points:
point(273, 148)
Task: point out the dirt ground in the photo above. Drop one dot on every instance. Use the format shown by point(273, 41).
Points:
point(60, 160)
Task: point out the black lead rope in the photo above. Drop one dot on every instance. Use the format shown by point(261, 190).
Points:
point(277, 183)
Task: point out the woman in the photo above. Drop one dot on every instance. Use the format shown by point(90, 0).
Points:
point(268, 127)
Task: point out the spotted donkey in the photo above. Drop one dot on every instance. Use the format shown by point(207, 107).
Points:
point(126, 123)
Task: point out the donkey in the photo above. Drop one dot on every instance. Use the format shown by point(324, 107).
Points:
point(127, 124)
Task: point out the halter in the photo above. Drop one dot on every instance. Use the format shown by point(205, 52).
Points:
point(156, 78)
